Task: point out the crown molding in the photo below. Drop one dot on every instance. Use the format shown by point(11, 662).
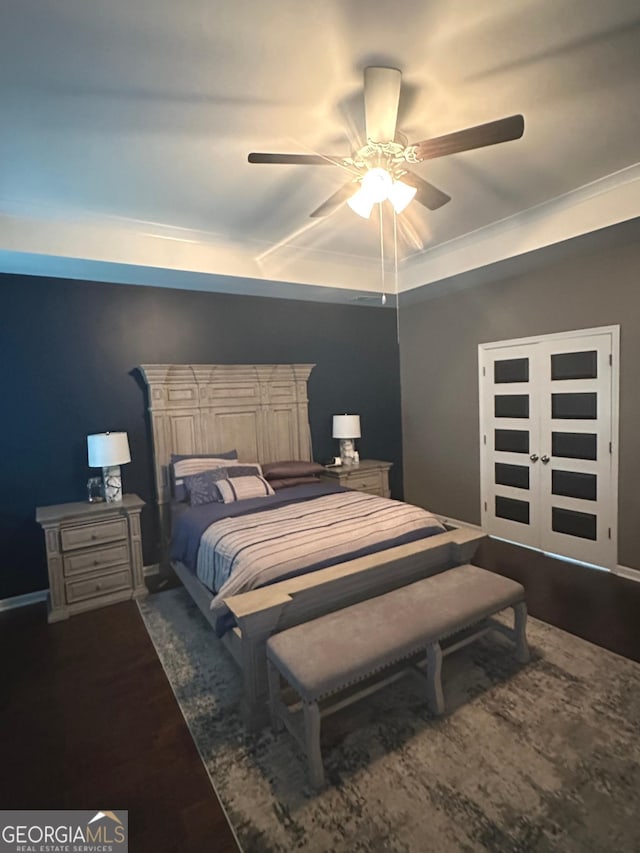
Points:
point(612, 199)
point(37, 240)
point(134, 252)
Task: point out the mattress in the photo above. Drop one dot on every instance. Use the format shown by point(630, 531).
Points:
point(234, 548)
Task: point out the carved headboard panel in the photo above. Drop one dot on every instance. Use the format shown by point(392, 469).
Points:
point(259, 409)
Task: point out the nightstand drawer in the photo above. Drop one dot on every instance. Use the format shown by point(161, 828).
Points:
point(363, 481)
point(94, 587)
point(85, 535)
point(96, 559)
point(370, 475)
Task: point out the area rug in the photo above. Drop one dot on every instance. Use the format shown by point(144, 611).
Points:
point(542, 757)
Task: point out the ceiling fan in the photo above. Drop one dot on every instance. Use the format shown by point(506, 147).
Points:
point(379, 168)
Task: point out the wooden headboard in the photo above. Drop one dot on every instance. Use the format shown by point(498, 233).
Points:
point(259, 409)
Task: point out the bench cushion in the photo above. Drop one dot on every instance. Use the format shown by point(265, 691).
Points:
point(329, 653)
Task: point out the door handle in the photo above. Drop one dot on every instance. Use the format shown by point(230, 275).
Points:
point(544, 459)
point(534, 457)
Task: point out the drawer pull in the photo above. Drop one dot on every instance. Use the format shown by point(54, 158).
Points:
point(93, 536)
point(96, 562)
point(98, 587)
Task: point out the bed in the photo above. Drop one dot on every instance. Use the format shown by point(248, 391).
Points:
point(262, 412)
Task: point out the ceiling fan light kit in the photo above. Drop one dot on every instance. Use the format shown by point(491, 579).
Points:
point(377, 186)
point(379, 166)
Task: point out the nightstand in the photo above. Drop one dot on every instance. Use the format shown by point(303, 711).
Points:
point(369, 475)
point(94, 554)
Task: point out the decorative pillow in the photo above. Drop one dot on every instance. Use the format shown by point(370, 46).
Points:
point(291, 468)
point(184, 465)
point(202, 488)
point(243, 488)
point(292, 481)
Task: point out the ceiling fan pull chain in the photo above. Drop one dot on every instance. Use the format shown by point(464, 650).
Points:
point(395, 253)
point(384, 295)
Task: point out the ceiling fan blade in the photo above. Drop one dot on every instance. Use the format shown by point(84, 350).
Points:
point(335, 200)
point(491, 133)
point(426, 194)
point(296, 159)
point(381, 97)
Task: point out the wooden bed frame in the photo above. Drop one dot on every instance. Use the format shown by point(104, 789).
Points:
point(262, 411)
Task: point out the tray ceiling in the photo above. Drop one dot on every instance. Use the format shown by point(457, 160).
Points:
point(126, 128)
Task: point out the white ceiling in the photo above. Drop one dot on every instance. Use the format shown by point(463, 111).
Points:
point(126, 127)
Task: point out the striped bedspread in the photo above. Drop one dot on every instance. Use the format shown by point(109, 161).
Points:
point(249, 551)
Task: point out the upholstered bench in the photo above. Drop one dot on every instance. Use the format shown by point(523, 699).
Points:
point(343, 652)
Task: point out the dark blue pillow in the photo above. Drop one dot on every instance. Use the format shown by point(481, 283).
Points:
point(201, 488)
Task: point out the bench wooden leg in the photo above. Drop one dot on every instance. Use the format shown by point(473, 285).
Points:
point(520, 632)
point(312, 742)
point(435, 697)
point(275, 701)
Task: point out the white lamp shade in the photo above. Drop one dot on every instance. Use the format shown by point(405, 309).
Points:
point(108, 448)
point(346, 426)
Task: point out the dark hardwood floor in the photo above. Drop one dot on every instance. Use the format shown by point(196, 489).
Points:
point(598, 606)
point(88, 719)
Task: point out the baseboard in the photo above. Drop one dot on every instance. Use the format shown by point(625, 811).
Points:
point(621, 571)
point(629, 573)
point(23, 600)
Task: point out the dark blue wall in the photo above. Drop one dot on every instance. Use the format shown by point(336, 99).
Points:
point(67, 351)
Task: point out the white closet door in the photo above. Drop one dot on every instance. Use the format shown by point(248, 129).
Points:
point(509, 442)
point(575, 447)
point(548, 420)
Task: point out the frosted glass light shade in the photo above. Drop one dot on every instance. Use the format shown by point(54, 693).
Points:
point(346, 426)
point(375, 187)
point(377, 183)
point(400, 195)
point(108, 448)
point(361, 203)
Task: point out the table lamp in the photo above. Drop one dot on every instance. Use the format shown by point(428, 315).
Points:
point(109, 450)
point(347, 428)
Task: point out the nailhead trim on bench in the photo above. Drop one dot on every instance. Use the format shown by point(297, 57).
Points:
point(414, 651)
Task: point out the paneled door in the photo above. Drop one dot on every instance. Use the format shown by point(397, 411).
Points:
point(549, 443)
point(509, 444)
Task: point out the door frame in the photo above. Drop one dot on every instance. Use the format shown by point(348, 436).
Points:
point(614, 331)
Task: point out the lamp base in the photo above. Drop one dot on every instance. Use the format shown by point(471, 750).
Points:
point(112, 484)
point(347, 451)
